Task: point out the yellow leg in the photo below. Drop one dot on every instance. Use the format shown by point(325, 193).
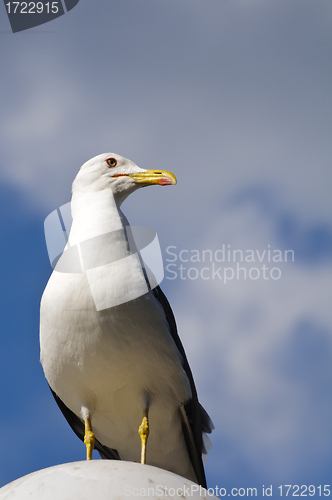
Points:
point(89, 439)
point(143, 431)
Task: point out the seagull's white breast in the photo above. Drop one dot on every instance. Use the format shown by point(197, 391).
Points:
point(114, 360)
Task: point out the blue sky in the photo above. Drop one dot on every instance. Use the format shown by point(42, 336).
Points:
point(235, 99)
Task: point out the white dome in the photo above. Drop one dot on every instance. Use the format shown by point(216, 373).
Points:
point(103, 479)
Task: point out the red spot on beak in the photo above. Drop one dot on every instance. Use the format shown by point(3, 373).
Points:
point(164, 181)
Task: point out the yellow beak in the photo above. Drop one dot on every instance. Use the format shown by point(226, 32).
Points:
point(161, 177)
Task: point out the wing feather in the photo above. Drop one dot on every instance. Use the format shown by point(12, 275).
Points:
point(195, 419)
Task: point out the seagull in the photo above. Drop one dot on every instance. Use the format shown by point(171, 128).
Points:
point(109, 344)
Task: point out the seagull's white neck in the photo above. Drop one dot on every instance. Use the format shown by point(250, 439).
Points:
point(113, 269)
point(95, 214)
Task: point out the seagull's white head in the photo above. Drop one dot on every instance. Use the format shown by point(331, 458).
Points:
point(110, 170)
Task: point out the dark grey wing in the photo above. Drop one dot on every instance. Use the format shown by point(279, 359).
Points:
point(78, 427)
point(194, 418)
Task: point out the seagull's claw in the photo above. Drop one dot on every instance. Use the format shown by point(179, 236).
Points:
point(143, 431)
point(89, 439)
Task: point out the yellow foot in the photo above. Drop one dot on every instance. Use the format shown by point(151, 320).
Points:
point(89, 439)
point(143, 431)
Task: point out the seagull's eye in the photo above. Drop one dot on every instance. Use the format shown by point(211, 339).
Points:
point(111, 162)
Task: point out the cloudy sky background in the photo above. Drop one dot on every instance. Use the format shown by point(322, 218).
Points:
point(234, 97)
